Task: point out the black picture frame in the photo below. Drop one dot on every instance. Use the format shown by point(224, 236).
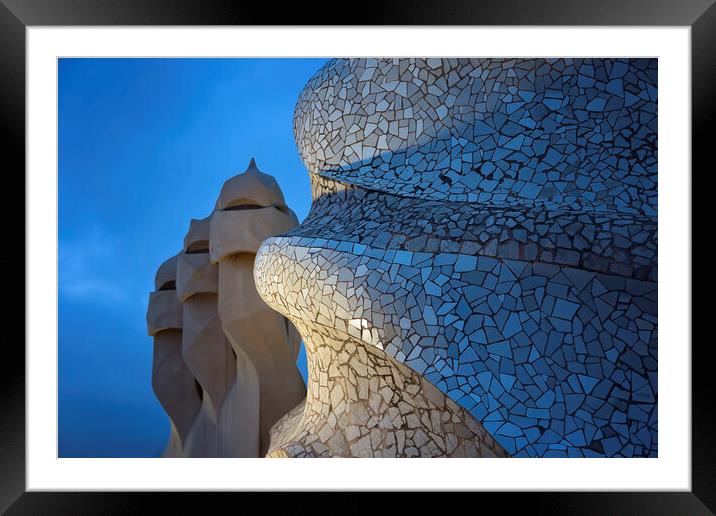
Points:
point(700, 15)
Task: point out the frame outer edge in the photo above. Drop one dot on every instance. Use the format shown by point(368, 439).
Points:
point(411, 12)
point(12, 381)
point(12, 53)
point(703, 113)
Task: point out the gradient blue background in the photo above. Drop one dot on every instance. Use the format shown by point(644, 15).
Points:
point(145, 145)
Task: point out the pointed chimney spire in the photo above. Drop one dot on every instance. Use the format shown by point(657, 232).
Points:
point(252, 166)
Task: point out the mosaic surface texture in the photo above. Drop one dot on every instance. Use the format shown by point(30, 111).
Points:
point(489, 224)
point(361, 403)
point(560, 132)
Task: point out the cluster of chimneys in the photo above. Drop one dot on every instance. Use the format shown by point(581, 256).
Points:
point(224, 365)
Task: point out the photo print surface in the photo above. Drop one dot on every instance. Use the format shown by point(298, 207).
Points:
point(427, 257)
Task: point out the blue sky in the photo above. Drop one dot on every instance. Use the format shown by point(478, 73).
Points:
point(144, 146)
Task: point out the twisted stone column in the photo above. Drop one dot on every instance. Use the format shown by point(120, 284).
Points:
point(204, 347)
point(249, 209)
point(174, 385)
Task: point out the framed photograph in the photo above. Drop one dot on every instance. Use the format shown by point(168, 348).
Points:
point(429, 237)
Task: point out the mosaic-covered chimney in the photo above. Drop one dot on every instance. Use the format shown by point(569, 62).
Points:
point(477, 275)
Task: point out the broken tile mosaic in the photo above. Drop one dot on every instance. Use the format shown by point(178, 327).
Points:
point(488, 225)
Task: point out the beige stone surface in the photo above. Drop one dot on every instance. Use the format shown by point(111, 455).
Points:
point(243, 231)
point(261, 335)
point(166, 275)
point(239, 416)
point(204, 436)
point(253, 187)
point(209, 357)
point(174, 448)
point(206, 352)
point(250, 209)
point(172, 382)
point(165, 311)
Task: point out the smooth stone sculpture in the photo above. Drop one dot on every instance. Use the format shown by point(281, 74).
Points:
point(174, 448)
point(204, 347)
point(249, 209)
point(174, 385)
